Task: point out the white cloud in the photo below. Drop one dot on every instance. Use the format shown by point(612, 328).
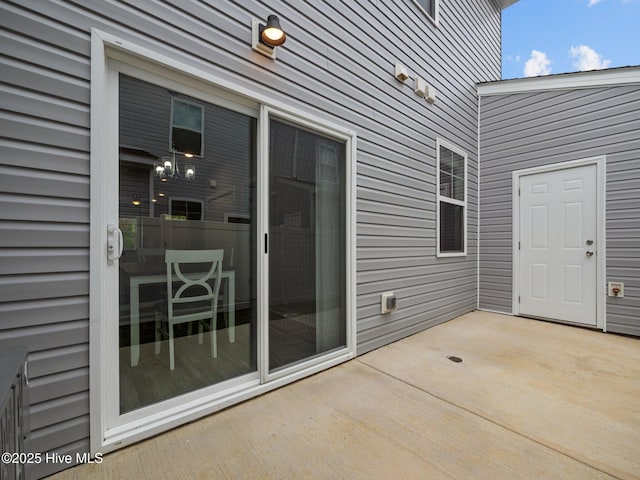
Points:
point(593, 2)
point(586, 58)
point(537, 65)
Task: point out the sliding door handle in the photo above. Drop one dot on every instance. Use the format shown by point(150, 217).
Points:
point(115, 243)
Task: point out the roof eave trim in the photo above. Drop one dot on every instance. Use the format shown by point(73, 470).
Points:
point(505, 3)
point(591, 79)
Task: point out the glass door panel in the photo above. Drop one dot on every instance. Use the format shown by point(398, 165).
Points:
point(185, 323)
point(307, 244)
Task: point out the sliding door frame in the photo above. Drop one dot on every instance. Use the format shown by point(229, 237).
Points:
point(109, 430)
point(334, 132)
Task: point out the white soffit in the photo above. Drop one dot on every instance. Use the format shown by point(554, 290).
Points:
point(564, 81)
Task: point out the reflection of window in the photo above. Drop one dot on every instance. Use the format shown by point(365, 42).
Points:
point(452, 201)
point(430, 7)
point(187, 120)
point(237, 218)
point(185, 210)
point(328, 161)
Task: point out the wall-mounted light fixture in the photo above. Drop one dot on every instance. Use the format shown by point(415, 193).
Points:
point(265, 38)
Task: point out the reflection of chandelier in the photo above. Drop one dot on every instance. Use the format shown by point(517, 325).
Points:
point(168, 167)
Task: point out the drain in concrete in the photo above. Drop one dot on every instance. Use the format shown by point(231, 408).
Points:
point(455, 359)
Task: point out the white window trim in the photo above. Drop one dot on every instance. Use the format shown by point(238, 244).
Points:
point(436, 18)
point(109, 56)
point(461, 203)
point(201, 107)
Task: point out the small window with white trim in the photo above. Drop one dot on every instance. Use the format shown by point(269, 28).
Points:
point(451, 200)
point(182, 209)
point(431, 8)
point(187, 122)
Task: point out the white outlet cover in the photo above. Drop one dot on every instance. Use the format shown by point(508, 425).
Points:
point(383, 301)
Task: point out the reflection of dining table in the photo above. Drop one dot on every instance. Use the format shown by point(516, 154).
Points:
point(137, 280)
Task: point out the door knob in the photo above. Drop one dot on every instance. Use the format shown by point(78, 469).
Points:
point(589, 253)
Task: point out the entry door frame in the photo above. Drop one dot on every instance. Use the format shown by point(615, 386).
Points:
point(600, 163)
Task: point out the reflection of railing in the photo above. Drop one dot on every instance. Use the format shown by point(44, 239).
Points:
point(152, 236)
point(14, 424)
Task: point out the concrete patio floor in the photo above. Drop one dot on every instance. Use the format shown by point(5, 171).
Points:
point(530, 400)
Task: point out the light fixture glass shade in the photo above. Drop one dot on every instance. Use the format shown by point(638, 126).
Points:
point(159, 169)
point(167, 168)
point(272, 34)
point(164, 168)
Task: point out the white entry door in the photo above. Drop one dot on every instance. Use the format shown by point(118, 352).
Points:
point(558, 245)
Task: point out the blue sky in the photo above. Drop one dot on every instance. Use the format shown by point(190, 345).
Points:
point(542, 37)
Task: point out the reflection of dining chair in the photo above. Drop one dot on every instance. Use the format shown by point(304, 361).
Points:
point(190, 297)
point(228, 257)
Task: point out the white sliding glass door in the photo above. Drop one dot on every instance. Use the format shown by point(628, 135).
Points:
point(307, 244)
point(176, 191)
point(222, 247)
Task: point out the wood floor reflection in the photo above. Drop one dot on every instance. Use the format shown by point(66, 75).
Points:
point(292, 339)
point(152, 380)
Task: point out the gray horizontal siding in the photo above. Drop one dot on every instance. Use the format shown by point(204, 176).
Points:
point(44, 133)
point(44, 222)
point(21, 314)
point(43, 234)
point(526, 130)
